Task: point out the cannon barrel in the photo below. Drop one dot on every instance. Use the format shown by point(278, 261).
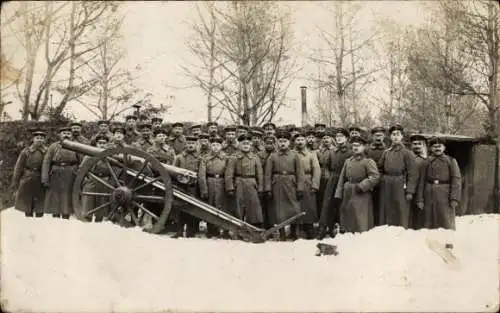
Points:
point(94, 151)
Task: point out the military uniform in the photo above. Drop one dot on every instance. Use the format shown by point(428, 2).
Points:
point(163, 154)
point(323, 154)
point(90, 202)
point(81, 139)
point(399, 177)
point(30, 193)
point(374, 152)
point(284, 178)
point(190, 161)
point(440, 184)
point(312, 175)
point(212, 186)
point(131, 136)
point(358, 177)
point(230, 149)
point(178, 144)
point(244, 176)
point(58, 171)
point(330, 206)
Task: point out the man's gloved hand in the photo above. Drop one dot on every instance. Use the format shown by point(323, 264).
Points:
point(300, 195)
point(454, 204)
point(420, 205)
point(358, 189)
point(409, 196)
point(230, 193)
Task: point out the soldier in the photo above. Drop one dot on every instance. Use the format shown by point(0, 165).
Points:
point(269, 147)
point(284, 183)
point(269, 129)
point(103, 130)
point(131, 133)
point(26, 181)
point(312, 175)
point(204, 145)
point(144, 142)
point(330, 206)
point(294, 131)
point(211, 180)
point(245, 181)
point(374, 152)
point(311, 140)
point(323, 153)
point(90, 202)
point(195, 130)
point(257, 146)
point(358, 177)
point(319, 129)
point(212, 129)
point(76, 131)
point(355, 131)
point(230, 145)
point(418, 143)
point(178, 142)
point(190, 160)
point(58, 170)
point(159, 149)
point(241, 130)
point(119, 137)
point(156, 123)
point(399, 181)
point(439, 189)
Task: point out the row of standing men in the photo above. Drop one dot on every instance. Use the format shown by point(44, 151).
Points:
point(265, 178)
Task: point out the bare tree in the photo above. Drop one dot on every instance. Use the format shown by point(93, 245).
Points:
point(62, 33)
point(244, 48)
point(345, 63)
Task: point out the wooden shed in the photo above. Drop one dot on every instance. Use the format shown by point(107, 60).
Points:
point(478, 159)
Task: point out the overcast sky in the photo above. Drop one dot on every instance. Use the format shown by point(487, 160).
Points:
point(155, 32)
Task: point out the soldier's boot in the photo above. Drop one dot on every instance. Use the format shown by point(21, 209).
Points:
point(225, 234)
point(321, 233)
point(39, 214)
point(65, 216)
point(308, 231)
point(98, 219)
point(211, 230)
point(293, 232)
point(282, 235)
point(180, 231)
point(28, 214)
point(56, 215)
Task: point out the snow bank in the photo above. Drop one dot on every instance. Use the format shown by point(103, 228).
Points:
point(52, 265)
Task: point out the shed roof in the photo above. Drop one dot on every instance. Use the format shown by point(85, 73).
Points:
point(457, 138)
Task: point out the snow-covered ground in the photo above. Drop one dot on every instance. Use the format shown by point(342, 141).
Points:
point(57, 265)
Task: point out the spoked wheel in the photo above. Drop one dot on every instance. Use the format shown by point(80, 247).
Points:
point(124, 185)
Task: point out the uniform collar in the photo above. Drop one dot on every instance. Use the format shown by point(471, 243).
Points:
point(342, 147)
point(377, 145)
point(302, 151)
point(284, 152)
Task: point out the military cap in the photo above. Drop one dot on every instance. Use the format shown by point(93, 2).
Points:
point(283, 134)
point(103, 122)
point(327, 132)
point(354, 127)
point(299, 134)
point(144, 125)
point(204, 136)
point(294, 128)
point(160, 131)
point(212, 124)
point(76, 124)
point(130, 117)
point(436, 140)
point(38, 132)
point(119, 129)
point(269, 124)
point(244, 137)
point(378, 129)
point(191, 138)
point(319, 125)
point(256, 133)
point(242, 127)
point(229, 128)
point(396, 127)
point(417, 137)
point(177, 124)
point(269, 139)
point(342, 131)
point(216, 139)
point(156, 119)
point(64, 129)
point(358, 139)
point(195, 126)
point(310, 132)
point(101, 137)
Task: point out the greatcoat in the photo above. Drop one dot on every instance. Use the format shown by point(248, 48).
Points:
point(312, 174)
point(211, 180)
point(284, 177)
point(356, 210)
point(440, 183)
point(30, 194)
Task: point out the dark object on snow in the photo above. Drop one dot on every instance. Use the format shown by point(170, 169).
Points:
point(326, 249)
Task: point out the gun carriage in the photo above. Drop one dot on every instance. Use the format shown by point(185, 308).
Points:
point(137, 180)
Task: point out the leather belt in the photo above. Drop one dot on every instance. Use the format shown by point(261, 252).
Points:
point(393, 174)
point(245, 176)
point(37, 169)
point(438, 182)
point(64, 164)
point(215, 175)
point(283, 173)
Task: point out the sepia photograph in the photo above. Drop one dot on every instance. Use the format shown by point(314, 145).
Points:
point(250, 156)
